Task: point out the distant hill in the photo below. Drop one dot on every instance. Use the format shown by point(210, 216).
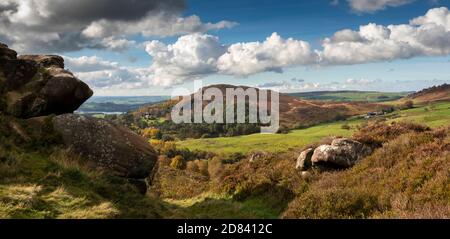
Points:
point(350, 96)
point(118, 104)
point(435, 93)
point(294, 111)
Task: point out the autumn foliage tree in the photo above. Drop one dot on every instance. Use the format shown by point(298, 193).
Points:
point(151, 133)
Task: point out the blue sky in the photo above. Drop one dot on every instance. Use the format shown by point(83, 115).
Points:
point(133, 70)
point(312, 21)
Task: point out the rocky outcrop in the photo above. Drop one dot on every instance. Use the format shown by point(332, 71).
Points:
point(257, 155)
point(110, 147)
point(35, 87)
point(6, 53)
point(340, 154)
point(304, 159)
point(38, 85)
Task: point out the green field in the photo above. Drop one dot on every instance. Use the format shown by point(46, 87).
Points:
point(269, 142)
point(432, 115)
point(350, 96)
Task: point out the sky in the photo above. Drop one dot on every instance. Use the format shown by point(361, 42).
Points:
point(151, 47)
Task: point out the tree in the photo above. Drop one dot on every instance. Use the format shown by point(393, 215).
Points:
point(151, 133)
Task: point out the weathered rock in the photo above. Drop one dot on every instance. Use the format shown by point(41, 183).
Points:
point(18, 73)
point(45, 61)
point(6, 53)
point(304, 159)
point(107, 146)
point(38, 85)
point(342, 153)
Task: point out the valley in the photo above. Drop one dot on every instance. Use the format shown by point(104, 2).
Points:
point(330, 159)
point(433, 115)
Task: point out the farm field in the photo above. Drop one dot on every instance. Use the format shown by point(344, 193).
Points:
point(433, 115)
point(350, 96)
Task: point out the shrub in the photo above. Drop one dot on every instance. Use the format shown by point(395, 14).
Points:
point(178, 162)
point(346, 127)
point(151, 133)
point(192, 166)
point(164, 160)
point(202, 167)
point(215, 167)
point(231, 158)
point(198, 166)
point(409, 104)
point(167, 137)
point(164, 148)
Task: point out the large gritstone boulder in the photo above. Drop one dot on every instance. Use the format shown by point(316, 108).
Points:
point(107, 146)
point(342, 153)
point(38, 85)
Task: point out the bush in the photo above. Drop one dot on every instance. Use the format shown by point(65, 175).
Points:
point(346, 127)
point(167, 137)
point(164, 148)
point(178, 162)
point(151, 133)
point(163, 160)
point(215, 167)
point(192, 166)
point(198, 166)
point(408, 105)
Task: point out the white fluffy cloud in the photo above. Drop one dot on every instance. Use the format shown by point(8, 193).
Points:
point(427, 35)
point(101, 74)
point(375, 5)
point(66, 25)
point(161, 25)
point(274, 54)
point(198, 55)
point(191, 56)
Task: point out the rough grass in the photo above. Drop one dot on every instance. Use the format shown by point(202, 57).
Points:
point(408, 177)
point(37, 185)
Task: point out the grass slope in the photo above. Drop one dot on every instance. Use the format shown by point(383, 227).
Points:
point(39, 179)
point(39, 185)
point(408, 177)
